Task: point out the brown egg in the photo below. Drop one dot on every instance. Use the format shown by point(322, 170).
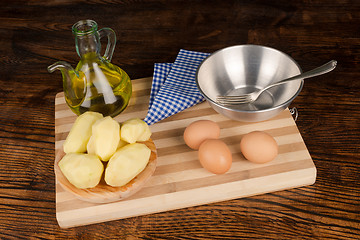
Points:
point(258, 147)
point(199, 131)
point(215, 156)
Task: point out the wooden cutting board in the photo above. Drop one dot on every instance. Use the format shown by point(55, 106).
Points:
point(179, 180)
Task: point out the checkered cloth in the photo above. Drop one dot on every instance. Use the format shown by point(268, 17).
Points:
point(174, 88)
point(161, 70)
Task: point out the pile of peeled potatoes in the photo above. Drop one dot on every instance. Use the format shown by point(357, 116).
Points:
point(96, 143)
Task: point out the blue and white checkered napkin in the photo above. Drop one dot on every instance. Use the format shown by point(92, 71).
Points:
point(174, 88)
point(161, 70)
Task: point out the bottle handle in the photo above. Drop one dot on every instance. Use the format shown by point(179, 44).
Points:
point(110, 34)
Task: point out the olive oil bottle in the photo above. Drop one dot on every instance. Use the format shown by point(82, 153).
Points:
point(95, 84)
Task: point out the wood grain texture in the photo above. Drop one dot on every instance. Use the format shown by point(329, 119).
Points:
point(179, 180)
point(34, 34)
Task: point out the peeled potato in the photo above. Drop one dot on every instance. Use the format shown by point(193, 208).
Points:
point(105, 138)
point(126, 164)
point(90, 146)
point(82, 170)
point(80, 132)
point(121, 144)
point(134, 130)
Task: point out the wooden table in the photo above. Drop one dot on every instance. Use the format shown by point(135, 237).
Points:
point(34, 34)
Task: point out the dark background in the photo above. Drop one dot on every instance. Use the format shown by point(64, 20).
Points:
point(35, 34)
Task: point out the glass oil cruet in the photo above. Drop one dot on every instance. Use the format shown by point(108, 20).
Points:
point(95, 84)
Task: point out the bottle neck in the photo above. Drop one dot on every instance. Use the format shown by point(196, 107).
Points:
point(87, 39)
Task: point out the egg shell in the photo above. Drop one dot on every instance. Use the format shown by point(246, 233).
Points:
point(258, 147)
point(199, 131)
point(215, 156)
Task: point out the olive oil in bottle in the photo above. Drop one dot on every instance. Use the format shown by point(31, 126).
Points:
point(107, 87)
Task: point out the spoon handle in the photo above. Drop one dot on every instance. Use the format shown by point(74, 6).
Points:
point(327, 67)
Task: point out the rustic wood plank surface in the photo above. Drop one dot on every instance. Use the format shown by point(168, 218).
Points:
point(34, 34)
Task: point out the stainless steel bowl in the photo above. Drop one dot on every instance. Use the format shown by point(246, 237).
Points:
point(242, 69)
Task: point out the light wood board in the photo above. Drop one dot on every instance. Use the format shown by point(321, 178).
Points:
point(179, 181)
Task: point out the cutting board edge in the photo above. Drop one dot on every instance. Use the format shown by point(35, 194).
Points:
point(309, 178)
